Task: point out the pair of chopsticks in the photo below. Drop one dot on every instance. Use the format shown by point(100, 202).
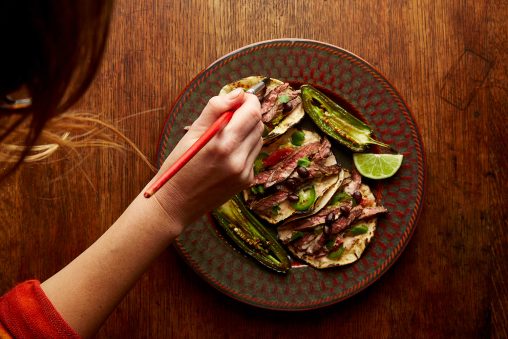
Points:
point(219, 124)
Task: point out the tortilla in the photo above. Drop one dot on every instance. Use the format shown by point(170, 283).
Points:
point(287, 122)
point(354, 245)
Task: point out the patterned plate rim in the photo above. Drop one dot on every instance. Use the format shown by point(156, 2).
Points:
point(421, 184)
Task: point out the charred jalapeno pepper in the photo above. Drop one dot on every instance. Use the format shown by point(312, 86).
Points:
point(251, 236)
point(335, 121)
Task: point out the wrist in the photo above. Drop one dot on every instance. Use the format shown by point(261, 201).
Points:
point(163, 217)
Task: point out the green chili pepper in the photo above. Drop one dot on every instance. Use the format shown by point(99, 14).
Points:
point(250, 235)
point(359, 229)
point(297, 138)
point(336, 254)
point(284, 98)
point(340, 197)
point(303, 162)
point(306, 198)
point(335, 121)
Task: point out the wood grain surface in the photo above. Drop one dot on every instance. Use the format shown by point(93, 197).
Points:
point(448, 59)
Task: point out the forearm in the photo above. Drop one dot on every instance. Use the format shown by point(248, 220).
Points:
point(87, 290)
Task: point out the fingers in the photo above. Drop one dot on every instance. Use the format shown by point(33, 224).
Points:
point(247, 151)
point(250, 142)
point(219, 105)
point(245, 118)
point(236, 146)
point(242, 133)
point(254, 152)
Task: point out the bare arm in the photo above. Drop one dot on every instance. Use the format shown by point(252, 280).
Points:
point(87, 290)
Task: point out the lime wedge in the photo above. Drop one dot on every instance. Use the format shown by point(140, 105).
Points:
point(377, 166)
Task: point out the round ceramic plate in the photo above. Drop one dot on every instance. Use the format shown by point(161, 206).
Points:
point(364, 90)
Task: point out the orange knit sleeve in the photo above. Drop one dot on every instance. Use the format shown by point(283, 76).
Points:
point(26, 312)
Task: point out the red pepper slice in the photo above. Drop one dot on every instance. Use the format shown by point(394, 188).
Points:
point(277, 156)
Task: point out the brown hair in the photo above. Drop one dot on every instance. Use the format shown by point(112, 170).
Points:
point(51, 50)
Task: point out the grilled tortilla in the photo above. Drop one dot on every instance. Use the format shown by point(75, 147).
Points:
point(281, 106)
point(322, 244)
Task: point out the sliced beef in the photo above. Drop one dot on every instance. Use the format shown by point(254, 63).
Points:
point(283, 170)
point(318, 171)
point(323, 153)
point(293, 103)
point(357, 213)
point(261, 178)
point(270, 98)
point(270, 105)
point(309, 222)
point(268, 202)
point(354, 184)
point(304, 242)
point(316, 244)
point(274, 111)
point(368, 212)
point(343, 222)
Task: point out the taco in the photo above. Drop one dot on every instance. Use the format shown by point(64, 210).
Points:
point(339, 233)
point(281, 106)
point(324, 214)
point(295, 176)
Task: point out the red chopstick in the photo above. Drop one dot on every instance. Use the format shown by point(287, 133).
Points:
point(198, 145)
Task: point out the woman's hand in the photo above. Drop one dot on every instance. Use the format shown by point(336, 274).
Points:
point(220, 169)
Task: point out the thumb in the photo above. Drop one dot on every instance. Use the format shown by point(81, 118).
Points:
point(219, 105)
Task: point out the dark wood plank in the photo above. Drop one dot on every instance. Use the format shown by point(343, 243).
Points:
point(447, 59)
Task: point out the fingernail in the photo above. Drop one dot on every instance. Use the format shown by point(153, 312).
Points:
point(235, 93)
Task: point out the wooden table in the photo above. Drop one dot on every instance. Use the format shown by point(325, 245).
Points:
point(448, 60)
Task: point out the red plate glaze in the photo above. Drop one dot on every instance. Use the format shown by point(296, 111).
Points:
point(376, 101)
